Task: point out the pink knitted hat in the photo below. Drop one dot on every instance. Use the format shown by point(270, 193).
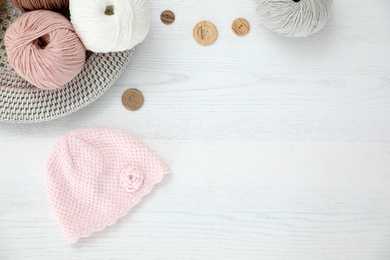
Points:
point(95, 176)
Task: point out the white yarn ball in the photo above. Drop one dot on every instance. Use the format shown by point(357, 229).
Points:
point(294, 18)
point(110, 25)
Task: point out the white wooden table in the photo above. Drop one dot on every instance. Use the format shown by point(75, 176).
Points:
point(279, 147)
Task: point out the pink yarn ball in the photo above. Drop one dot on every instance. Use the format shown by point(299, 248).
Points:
point(43, 48)
point(30, 5)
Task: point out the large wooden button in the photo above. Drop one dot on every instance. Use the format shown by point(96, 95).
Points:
point(205, 33)
point(133, 99)
point(167, 17)
point(241, 27)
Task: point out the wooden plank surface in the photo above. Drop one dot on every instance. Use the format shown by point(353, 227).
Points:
point(279, 148)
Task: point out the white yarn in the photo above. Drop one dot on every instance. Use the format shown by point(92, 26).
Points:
point(294, 18)
point(127, 26)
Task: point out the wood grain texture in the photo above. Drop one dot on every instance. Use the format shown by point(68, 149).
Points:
point(241, 27)
point(279, 147)
point(133, 99)
point(205, 33)
point(167, 17)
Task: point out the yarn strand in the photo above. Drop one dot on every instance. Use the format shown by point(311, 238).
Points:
point(44, 49)
point(110, 25)
point(294, 19)
point(30, 5)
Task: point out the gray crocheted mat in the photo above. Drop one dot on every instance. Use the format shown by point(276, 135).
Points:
point(23, 103)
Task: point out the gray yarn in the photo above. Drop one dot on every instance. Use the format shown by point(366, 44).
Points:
point(294, 18)
point(20, 102)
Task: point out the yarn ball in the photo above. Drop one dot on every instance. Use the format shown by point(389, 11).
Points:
point(110, 26)
point(30, 5)
point(294, 18)
point(43, 48)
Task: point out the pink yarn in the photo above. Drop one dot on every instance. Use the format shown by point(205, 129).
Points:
point(43, 48)
point(95, 176)
point(30, 5)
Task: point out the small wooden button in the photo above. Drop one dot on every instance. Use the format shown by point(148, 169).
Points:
point(205, 33)
point(241, 27)
point(167, 17)
point(133, 99)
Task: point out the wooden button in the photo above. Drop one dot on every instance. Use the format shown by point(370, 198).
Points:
point(241, 27)
point(205, 33)
point(167, 17)
point(133, 99)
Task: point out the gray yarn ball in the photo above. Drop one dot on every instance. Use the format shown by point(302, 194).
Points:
point(294, 18)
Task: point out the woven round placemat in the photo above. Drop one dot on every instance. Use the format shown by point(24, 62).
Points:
point(21, 102)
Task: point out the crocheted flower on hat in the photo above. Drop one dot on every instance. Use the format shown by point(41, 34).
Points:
point(132, 179)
